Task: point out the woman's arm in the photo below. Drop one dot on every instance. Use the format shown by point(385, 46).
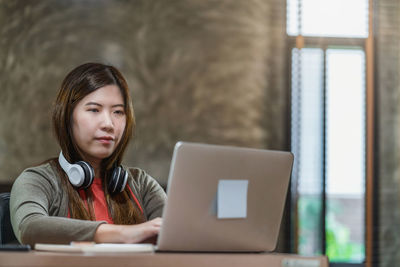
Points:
point(39, 207)
point(111, 233)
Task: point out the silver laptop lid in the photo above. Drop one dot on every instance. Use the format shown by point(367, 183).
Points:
point(223, 198)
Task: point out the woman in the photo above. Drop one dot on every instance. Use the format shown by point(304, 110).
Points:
point(84, 194)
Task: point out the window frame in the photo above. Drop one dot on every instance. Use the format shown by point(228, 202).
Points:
point(366, 44)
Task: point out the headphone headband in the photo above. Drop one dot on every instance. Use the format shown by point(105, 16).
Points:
point(63, 162)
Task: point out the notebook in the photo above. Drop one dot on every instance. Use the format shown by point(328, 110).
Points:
point(85, 247)
point(224, 199)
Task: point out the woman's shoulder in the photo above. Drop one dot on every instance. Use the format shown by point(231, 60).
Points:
point(135, 170)
point(44, 168)
point(140, 177)
point(44, 171)
point(137, 174)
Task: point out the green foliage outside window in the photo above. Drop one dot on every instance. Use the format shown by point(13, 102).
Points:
point(339, 246)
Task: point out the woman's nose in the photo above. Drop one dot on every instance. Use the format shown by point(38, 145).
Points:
point(107, 122)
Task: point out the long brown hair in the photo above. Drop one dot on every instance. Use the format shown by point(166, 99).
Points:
point(80, 82)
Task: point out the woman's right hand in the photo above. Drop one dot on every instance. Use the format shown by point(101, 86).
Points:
point(111, 233)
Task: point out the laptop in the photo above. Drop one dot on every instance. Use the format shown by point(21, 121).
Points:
point(224, 199)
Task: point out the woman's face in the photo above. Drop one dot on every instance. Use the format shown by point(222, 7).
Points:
point(98, 122)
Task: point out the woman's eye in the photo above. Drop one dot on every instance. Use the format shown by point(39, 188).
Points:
point(119, 112)
point(93, 110)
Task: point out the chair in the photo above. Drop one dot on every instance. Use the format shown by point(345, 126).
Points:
point(7, 235)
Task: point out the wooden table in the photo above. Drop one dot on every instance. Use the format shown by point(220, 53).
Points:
point(36, 258)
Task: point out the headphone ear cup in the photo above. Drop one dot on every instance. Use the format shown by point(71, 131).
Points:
point(89, 174)
point(118, 180)
point(76, 175)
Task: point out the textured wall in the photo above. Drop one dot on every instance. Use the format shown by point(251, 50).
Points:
point(388, 126)
point(204, 71)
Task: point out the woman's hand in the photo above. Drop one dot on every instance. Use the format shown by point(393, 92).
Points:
point(111, 233)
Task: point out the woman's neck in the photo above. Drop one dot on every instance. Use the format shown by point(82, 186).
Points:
point(96, 165)
point(97, 172)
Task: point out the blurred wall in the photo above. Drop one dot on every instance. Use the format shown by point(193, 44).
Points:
point(206, 71)
point(387, 44)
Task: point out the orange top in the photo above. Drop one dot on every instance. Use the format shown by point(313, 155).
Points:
point(99, 201)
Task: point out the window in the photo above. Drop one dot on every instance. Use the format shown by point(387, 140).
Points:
point(328, 18)
point(328, 127)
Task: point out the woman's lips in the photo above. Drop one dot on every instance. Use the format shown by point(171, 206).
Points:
point(105, 140)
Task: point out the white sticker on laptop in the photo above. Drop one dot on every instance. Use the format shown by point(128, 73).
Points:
point(232, 199)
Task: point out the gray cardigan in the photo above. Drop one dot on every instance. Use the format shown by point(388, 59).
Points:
point(39, 206)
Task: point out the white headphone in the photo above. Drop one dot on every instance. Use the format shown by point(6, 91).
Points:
point(81, 175)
